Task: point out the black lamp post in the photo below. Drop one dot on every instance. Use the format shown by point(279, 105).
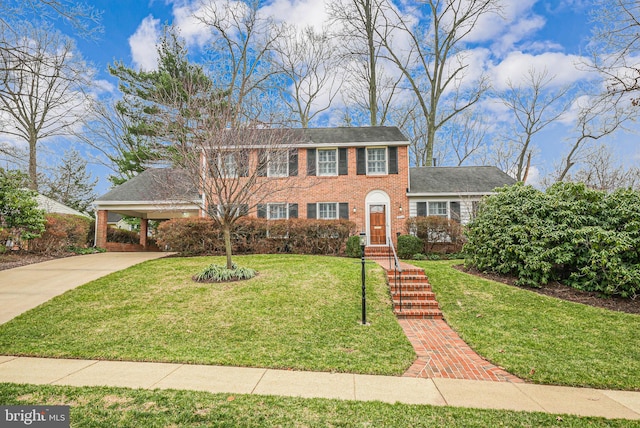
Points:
point(363, 243)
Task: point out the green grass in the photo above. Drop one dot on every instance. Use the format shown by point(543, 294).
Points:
point(120, 407)
point(300, 312)
point(539, 338)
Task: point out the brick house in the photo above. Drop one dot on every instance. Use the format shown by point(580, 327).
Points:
point(360, 174)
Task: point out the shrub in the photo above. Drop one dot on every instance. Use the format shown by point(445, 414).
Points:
point(435, 231)
point(353, 246)
point(217, 273)
point(257, 236)
point(419, 256)
point(408, 245)
point(122, 236)
point(62, 231)
point(571, 233)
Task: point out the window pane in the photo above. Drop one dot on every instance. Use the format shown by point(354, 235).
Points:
point(327, 211)
point(277, 211)
point(327, 162)
point(377, 161)
point(279, 164)
point(438, 208)
point(228, 165)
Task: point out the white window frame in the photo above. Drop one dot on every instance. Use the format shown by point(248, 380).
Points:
point(280, 205)
point(275, 166)
point(335, 207)
point(335, 163)
point(446, 209)
point(224, 166)
point(384, 161)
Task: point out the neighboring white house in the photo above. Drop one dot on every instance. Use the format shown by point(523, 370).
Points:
point(452, 192)
point(50, 206)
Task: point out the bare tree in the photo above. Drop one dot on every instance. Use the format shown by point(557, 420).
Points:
point(356, 23)
point(463, 137)
point(597, 118)
point(306, 58)
point(535, 104)
point(615, 46)
point(242, 48)
point(430, 54)
point(601, 169)
point(42, 88)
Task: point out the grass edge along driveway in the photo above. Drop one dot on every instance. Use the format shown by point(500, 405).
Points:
point(539, 338)
point(300, 312)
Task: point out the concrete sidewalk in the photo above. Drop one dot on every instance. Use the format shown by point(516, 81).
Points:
point(238, 380)
point(26, 287)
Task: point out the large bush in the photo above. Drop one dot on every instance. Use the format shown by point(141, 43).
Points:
point(251, 236)
point(61, 232)
point(20, 217)
point(583, 237)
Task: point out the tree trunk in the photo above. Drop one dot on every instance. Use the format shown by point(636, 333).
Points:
point(33, 165)
point(226, 230)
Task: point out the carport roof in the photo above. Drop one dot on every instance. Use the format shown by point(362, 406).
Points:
point(154, 184)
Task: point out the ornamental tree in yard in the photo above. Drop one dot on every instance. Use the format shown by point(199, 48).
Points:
point(20, 217)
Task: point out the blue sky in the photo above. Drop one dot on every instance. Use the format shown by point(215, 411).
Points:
point(543, 33)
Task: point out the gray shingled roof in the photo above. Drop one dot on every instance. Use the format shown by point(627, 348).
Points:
point(154, 184)
point(371, 134)
point(464, 179)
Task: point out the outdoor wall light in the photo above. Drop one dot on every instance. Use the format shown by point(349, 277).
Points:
point(354, 209)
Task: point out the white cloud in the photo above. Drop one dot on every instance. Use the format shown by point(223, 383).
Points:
point(143, 44)
point(300, 12)
point(192, 29)
point(562, 67)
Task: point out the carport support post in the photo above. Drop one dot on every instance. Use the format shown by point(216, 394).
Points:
point(144, 227)
point(101, 229)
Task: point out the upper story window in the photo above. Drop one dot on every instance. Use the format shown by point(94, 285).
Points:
point(278, 164)
point(376, 161)
point(327, 162)
point(229, 165)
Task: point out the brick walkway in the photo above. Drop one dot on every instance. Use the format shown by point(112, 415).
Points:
point(441, 353)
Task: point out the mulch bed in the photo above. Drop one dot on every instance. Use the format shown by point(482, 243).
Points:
point(15, 259)
point(564, 292)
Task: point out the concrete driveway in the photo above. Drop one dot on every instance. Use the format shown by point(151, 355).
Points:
point(26, 287)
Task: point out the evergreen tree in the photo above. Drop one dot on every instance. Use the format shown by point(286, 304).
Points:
point(20, 217)
point(71, 184)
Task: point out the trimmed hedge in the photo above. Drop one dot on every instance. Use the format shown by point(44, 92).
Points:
point(61, 232)
point(199, 236)
point(585, 238)
point(408, 246)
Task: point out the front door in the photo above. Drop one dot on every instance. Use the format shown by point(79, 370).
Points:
point(377, 225)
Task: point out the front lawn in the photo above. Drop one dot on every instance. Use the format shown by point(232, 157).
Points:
point(300, 312)
point(120, 407)
point(539, 338)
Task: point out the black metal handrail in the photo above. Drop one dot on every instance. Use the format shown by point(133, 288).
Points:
point(397, 276)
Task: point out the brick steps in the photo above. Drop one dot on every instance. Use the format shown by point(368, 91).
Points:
point(418, 300)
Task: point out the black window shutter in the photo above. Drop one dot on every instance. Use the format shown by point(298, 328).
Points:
point(361, 161)
point(343, 163)
point(311, 161)
point(455, 211)
point(421, 208)
point(293, 163)
point(311, 211)
point(293, 210)
point(262, 163)
point(393, 160)
point(262, 210)
point(343, 210)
